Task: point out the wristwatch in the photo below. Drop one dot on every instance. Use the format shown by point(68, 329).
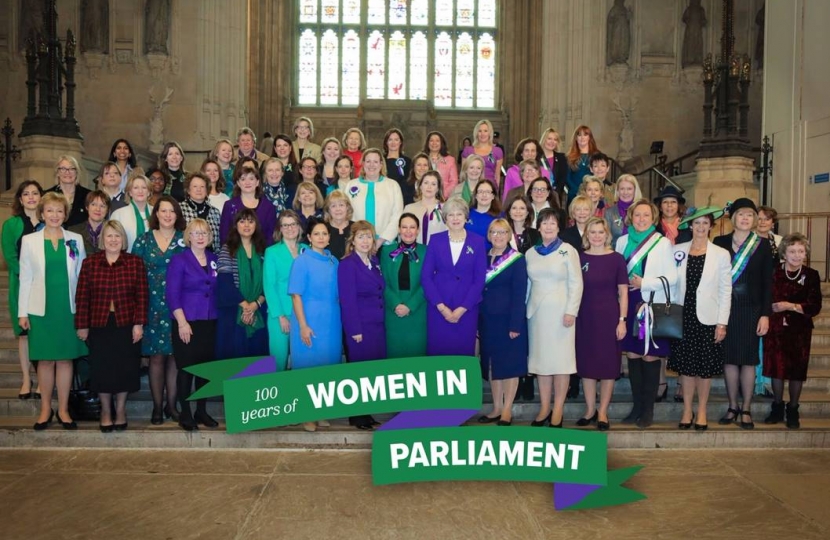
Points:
point(623, 319)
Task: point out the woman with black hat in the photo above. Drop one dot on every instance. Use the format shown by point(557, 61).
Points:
point(751, 308)
point(672, 206)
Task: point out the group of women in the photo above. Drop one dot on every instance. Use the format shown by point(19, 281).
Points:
point(336, 249)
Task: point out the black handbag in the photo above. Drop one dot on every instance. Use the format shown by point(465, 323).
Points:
point(84, 404)
point(668, 317)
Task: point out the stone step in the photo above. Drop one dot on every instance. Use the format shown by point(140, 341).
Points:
point(18, 432)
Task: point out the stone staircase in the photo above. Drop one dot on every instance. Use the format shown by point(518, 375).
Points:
point(17, 416)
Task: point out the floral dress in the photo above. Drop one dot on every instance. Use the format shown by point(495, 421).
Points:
point(157, 338)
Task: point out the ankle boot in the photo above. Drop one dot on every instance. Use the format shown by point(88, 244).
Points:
point(186, 421)
point(776, 413)
point(793, 419)
point(635, 376)
point(202, 417)
point(651, 380)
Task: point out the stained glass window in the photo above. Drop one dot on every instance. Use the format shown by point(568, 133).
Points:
point(439, 50)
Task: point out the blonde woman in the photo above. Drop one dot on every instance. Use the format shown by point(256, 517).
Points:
point(555, 162)
point(303, 130)
point(223, 154)
point(376, 198)
point(626, 192)
point(338, 213)
point(484, 146)
point(68, 175)
point(354, 142)
point(136, 215)
point(471, 172)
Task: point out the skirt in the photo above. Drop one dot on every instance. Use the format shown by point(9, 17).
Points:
point(631, 344)
point(202, 346)
point(114, 359)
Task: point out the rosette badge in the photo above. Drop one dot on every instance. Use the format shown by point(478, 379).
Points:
point(354, 191)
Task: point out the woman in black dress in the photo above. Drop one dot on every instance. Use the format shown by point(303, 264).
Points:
point(751, 308)
point(517, 213)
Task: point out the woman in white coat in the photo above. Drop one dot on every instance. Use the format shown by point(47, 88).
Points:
point(376, 198)
point(136, 215)
point(649, 256)
point(555, 296)
point(705, 291)
point(50, 262)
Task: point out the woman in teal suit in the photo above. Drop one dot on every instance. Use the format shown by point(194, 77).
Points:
point(278, 261)
point(406, 317)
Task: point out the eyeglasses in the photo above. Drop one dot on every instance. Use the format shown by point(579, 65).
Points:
point(289, 225)
point(309, 167)
point(499, 233)
point(540, 190)
point(197, 234)
point(67, 169)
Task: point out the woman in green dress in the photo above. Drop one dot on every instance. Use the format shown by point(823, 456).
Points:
point(50, 261)
point(406, 316)
point(23, 221)
point(279, 259)
point(156, 247)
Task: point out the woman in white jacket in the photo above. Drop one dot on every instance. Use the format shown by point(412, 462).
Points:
point(50, 261)
point(705, 291)
point(376, 198)
point(649, 257)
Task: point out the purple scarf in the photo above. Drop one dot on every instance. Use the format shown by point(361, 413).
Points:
point(622, 208)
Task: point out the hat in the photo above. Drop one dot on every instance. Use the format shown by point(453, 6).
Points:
point(669, 192)
point(743, 202)
point(694, 213)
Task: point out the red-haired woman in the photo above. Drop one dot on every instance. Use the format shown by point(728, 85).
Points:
point(583, 146)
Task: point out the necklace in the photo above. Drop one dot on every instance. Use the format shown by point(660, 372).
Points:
point(787, 273)
point(457, 240)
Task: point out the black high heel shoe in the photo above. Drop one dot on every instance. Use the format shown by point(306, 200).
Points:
point(171, 412)
point(157, 418)
point(67, 425)
point(726, 421)
point(204, 418)
point(662, 396)
point(686, 425)
point(559, 425)
point(40, 426)
point(120, 427)
point(588, 421)
point(543, 422)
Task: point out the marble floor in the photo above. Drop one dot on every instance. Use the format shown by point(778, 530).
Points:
point(253, 494)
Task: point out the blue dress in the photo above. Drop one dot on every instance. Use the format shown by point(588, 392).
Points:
point(314, 277)
point(157, 339)
point(575, 177)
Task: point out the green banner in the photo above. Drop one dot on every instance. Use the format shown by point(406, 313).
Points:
point(516, 454)
point(383, 386)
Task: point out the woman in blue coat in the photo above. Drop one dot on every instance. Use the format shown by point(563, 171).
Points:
point(502, 322)
point(279, 259)
point(360, 285)
point(453, 279)
point(241, 326)
point(406, 313)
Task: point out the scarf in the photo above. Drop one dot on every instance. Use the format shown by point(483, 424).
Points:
point(370, 199)
point(435, 214)
point(466, 192)
point(741, 258)
point(250, 286)
point(669, 230)
point(543, 250)
point(406, 249)
point(276, 195)
point(140, 228)
point(622, 209)
point(634, 240)
point(94, 233)
point(500, 263)
point(201, 209)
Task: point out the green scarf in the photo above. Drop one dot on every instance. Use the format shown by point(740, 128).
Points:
point(250, 285)
point(634, 240)
point(466, 194)
point(139, 221)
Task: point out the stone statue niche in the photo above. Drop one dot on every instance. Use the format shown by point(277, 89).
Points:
point(618, 36)
point(31, 20)
point(695, 20)
point(156, 26)
point(95, 26)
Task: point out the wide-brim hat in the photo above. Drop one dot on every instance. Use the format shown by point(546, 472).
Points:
point(743, 202)
point(669, 192)
point(694, 213)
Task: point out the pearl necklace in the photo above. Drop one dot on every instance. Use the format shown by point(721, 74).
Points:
point(459, 240)
point(787, 273)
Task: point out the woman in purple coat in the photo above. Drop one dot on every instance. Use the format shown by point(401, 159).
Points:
point(361, 303)
point(191, 298)
point(453, 281)
point(247, 193)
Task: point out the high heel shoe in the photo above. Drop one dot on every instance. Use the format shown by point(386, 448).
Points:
point(543, 422)
point(40, 426)
point(106, 429)
point(701, 427)
point(726, 421)
point(603, 426)
point(202, 417)
point(587, 421)
point(171, 412)
point(157, 418)
point(559, 425)
point(686, 425)
point(67, 425)
point(484, 419)
point(662, 396)
point(120, 427)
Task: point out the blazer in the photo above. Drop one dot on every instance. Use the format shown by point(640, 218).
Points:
point(571, 236)
point(659, 262)
point(275, 272)
point(513, 180)
point(714, 293)
point(77, 213)
point(414, 297)
point(126, 216)
point(361, 294)
point(530, 238)
point(388, 205)
point(123, 284)
point(32, 296)
point(758, 284)
point(560, 175)
point(190, 288)
point(458, 285)
point(311, 150)
point(265, 211)
point(449, 174)
point(504, 296)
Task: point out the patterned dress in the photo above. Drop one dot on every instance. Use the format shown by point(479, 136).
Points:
point(157, 338)
point(697, 354)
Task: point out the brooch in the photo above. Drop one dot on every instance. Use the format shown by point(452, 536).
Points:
point(354, 191)
point(470, 250)
point(679, 256)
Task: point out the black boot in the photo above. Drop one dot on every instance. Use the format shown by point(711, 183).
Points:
point(184, 381)
point(526, 389)
point(201, 416)
point(793, 419)
point(635, 376)
point(651, 380)
point(776, 414)
point(573, 387)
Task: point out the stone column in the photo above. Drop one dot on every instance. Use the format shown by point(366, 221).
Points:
point(270, 52)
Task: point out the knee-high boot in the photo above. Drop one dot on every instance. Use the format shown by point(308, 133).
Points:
point(184, 386)
point(201, 416)
point(635, 376)
point(651, 380)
